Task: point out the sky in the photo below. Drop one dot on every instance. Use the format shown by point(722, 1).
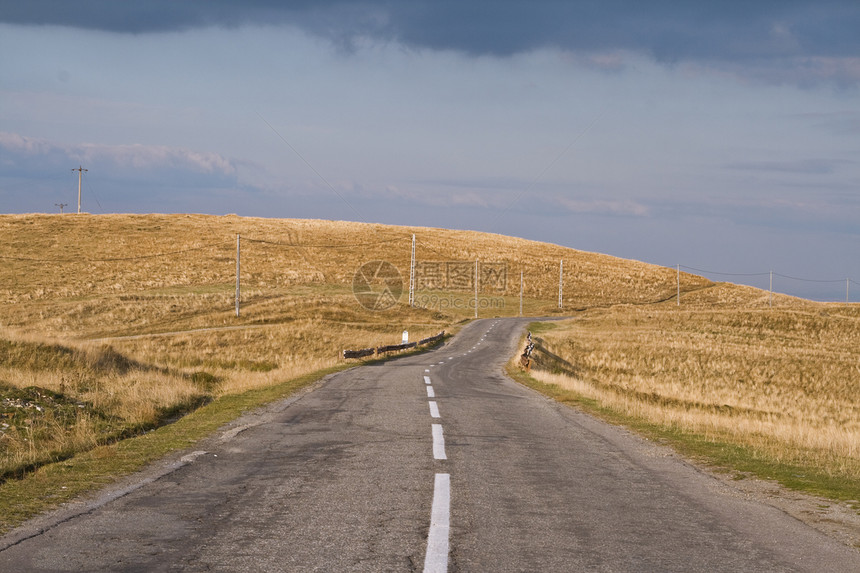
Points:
point(721, 136)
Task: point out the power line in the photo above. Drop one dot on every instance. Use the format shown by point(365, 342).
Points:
point(808, 280)
point(194, 249)
point(725, 274)
point(429, 248)
point(549, 165)
point(328, 246)
point(112, 259)
point(318, 174)
point(93, 193)
point(772, 274)
point(763, 275)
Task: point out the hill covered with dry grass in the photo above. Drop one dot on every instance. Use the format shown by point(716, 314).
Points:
point(117, 322)
point(60, 257)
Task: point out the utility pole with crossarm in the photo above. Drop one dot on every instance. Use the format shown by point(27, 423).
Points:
point(80, 171)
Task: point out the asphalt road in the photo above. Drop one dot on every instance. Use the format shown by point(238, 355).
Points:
point(434, 462)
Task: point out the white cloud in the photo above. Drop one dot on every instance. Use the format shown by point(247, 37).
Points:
point(135, 156)
point(28, 145)
point(604, 207)
point(802, 71)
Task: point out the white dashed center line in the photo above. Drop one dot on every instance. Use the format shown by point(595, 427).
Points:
point(436, 558)
point(438, 443)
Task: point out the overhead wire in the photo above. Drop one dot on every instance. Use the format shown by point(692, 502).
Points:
point(194, 249)
point(724, 274)
point(809, 280)
point(112, 259)
point(549, 165)
point(93, 192)
point(311, 167)
point(321, 246)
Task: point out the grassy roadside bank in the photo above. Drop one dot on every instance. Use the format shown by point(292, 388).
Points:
point(736, 454)
point(722, 456)
point(53, 484)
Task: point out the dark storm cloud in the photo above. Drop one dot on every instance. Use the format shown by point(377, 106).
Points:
point(326, 17)
point(668, 30)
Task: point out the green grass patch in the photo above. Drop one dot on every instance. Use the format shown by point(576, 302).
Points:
point(719, 455)
point(541, 327)
point(56, 483)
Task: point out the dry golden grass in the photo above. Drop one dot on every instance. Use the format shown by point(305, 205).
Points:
point(159, 375)
point(783, 381)
point(131, 317)
point(78, 278)
point(56, 400)
point(67, 267)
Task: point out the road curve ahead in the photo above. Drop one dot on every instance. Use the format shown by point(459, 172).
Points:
point(433, 462)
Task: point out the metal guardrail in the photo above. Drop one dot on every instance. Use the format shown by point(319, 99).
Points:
point(431, 339)
point(396, 347)
point(392, 347)
point(358, 353)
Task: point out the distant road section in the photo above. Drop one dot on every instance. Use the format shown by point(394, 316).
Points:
point(435, 462)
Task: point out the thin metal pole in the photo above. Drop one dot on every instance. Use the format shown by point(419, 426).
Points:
point(238, 267)
point(561, 283)
point(679, 285)
point(770, 297)
point(412, 275)
point(847, 283)
point(476, 288)
point(80, 171)
point(521, 293)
